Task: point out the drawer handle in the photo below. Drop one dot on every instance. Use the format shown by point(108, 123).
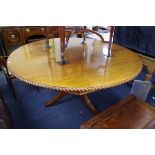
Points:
point(42, 29)
point(27, 30)
point(13, 36)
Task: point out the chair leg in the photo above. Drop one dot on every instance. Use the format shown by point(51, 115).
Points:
point(13, 90)
point(11, 87)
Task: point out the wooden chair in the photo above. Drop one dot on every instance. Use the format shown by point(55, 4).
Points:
point(9, 76)
point(130, 113)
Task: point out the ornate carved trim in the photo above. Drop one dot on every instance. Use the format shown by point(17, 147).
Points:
point(79, 91)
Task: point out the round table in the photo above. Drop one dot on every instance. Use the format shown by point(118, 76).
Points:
point(87, 68)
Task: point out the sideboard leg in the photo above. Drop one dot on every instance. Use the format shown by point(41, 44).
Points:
point(149, 75)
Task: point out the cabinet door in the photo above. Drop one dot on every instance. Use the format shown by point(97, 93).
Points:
point(12, 36)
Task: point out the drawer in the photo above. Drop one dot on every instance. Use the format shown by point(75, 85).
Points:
point(34, 30)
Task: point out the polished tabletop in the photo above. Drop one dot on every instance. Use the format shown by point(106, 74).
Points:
point(87, 68)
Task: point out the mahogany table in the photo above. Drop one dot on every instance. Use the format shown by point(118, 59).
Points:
point(87, 69)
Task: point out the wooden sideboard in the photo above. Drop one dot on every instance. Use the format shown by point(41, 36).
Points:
point(15, 36)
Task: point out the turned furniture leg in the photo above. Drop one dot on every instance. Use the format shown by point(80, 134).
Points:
point(149, 75)
point(150, 72)
point(89, 104)
point(55, 99)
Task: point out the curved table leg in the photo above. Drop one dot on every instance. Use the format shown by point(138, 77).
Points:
point(55, 99)
point(62, 94)
point(89, 104)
